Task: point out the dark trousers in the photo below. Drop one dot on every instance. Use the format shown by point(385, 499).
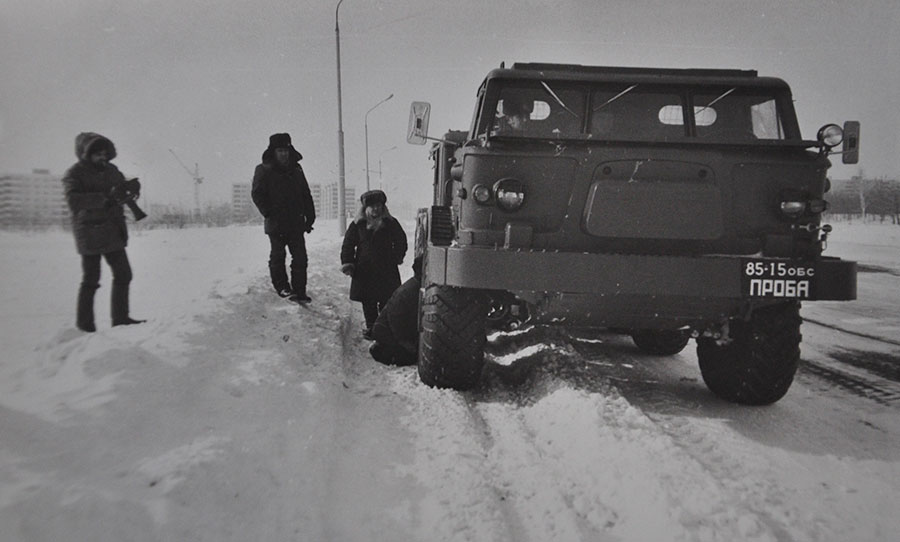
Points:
point(296, 244)
point(371, 310)
point(90, 281)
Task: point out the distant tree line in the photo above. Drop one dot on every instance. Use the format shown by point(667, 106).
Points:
point(213, 215)
point(158, 216)
point(866, 199)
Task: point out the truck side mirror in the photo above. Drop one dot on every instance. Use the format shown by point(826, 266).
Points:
point(850, 150)
point(419, 113)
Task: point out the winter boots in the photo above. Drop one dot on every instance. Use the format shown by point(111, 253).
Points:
point(128, 322)
point(118, 305)
point(85, 312)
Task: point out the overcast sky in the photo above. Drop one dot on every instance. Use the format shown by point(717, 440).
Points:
point(212, 79)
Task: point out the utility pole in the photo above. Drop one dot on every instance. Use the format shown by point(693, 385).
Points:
point(368, 186)
point(342, 212)
point(862, 196)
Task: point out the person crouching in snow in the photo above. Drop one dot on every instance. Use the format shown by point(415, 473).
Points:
point(373, 248)
point(396, 330)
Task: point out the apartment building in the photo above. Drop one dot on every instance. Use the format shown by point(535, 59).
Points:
point(242, 208)
point(327, 204)
point(324, 198)
point(32, 199)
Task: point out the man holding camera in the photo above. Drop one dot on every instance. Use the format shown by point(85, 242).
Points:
point(96, 191)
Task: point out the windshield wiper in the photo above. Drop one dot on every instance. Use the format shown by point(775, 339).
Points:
point(712, 103)
point(614, 98)
point(557, 98)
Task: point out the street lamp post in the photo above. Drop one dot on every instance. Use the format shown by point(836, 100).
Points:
point(342, 213)
point(380, 179)
point(367, 136)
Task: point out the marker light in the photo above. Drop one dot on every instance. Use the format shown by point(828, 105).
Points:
point(817, 206)
point(481, 193)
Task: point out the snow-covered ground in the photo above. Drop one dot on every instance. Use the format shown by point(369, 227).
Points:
point(232, 415)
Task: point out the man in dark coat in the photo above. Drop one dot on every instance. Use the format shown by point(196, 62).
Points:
point(396, 330)
point(281, 193)
point(374, 246)
point(98, 222)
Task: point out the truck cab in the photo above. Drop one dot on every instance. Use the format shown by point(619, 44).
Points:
point(669, 204)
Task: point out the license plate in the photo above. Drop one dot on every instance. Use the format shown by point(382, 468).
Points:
point(777, 278)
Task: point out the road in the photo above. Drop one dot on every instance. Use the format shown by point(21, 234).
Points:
point(583, 437)
point(577, 435)
point(248, 418)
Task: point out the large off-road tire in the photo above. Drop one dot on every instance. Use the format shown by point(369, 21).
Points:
point(661, 342)
point(451, 343)
point(758, 366)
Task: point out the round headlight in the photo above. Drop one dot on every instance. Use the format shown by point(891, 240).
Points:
point(481, 193)
point(830, 135)
point(793, 208)
point(510, 194)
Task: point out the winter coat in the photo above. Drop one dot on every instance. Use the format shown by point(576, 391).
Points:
point(97, 222)
point(283, 197)
point(375, 255)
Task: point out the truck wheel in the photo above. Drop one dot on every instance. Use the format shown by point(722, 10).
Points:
point(451, 344)
point(661, 342)
point(758, 366)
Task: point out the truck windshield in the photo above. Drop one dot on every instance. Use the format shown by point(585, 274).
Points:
point(726, 115)
point(539, 111)
point(635, 112)
point(737, 115)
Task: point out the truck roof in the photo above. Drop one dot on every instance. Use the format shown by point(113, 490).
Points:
point(615, 74)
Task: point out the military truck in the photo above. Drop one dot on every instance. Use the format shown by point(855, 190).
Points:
point(667, 204)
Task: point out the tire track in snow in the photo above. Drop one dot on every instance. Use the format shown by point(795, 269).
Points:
point(520, 474)
point(458, 503)
point(768, 490)
point(740, 474)
point(800, 497)
point(599, 462)
point(590, 466)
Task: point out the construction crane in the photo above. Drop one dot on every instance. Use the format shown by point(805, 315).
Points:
point(197, 180)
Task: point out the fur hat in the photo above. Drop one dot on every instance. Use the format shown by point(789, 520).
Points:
point(280, 141)
point(88, 142)
point(372, 197)
point(517, 105)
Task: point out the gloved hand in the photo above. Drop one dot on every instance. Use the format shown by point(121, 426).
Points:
point(120, 195)
point(309, 229)
point(348, 269)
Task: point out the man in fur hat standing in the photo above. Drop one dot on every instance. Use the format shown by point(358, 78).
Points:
point(281, 193)
point(374, 245)
point(98, 223)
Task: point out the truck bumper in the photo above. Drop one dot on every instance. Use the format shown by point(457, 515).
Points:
point(708, 277)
